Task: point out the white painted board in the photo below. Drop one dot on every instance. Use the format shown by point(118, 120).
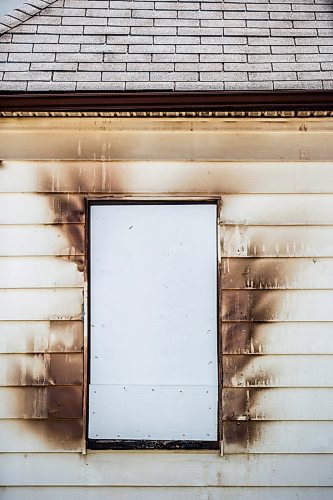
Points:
point(181, 410)
point(153, 320)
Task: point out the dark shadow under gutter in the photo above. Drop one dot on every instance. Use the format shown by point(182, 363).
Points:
point(167, 101)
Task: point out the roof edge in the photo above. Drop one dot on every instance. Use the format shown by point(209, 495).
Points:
point(21, 14)
point(167, 101)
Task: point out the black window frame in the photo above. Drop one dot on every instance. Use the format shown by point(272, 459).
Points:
point(144, 444)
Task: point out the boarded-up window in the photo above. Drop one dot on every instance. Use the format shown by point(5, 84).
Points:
point(153, 324)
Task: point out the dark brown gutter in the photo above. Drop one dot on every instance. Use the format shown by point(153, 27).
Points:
point(167, 101)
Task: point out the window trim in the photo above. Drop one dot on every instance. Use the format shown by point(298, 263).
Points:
point(129, 444)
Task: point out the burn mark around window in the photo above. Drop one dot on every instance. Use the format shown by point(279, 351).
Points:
point(242, 310)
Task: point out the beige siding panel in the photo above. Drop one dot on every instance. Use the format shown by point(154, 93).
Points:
point(165, 493)
point(41, 304)
point(277, 305)
point(40, 402)
point(41, 435)
point(277, 273)
point(39, 272)
point(148, 468)
point(277, 404)
point(277, 371)
point(60, 239)
point(277, 209)
point(237, 241)
point(280, 241)
point(153, 177)
point(278, 437)
point(103, 121)
point(277, 338)
point(41, 336)
point(41, 369)
point(102, 143)
point(254, 209)
point(30, 208)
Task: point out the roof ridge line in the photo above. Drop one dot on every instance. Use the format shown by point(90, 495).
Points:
point(21, 14)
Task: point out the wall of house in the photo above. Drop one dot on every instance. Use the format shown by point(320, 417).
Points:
point(275, 178)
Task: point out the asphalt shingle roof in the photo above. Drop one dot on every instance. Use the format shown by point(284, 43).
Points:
point(68, 45)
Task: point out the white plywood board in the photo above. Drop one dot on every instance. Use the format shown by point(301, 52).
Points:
point(154, 302)
point(153, 412)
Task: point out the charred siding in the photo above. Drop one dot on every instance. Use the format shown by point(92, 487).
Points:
point(274, 297)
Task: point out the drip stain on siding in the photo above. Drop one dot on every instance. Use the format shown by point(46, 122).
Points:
point(236, 406)
point(51, 402)
point(43, 369)
point(69, 209)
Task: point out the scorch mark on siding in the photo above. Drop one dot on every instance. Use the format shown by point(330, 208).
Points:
point(244, 310)
point(41, 369)
point(245, 313)
point(60, 406)
point(72, 208)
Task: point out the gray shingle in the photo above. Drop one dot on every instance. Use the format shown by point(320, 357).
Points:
point(167, 45)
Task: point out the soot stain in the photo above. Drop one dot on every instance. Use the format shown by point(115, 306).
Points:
point(241, 435)
point(66, 336)
point(65, 402)
point(53, 412)
point(55, 435)
point(245, 309)
point(69, 212)
point(51, 382)
point(239, 307)
point(66, 369)
point(44, 369)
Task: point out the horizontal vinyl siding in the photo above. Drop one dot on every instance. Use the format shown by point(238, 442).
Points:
point(276, 230)
point(167, 469)
point(152, 177)
point(241, 209)
point(165, 493)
